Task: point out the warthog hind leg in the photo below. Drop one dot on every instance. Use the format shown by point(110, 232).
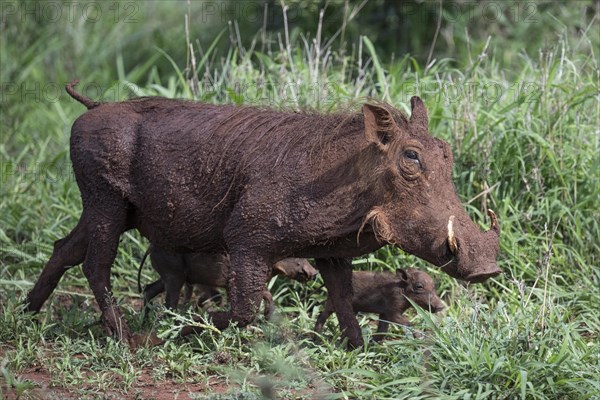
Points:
point(67, 252)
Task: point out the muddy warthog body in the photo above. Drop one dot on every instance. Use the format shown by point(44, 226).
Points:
point(209, 272)
point(262, 185)
point(386, 294)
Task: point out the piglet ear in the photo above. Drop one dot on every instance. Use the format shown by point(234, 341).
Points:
point(278, 269)
point(379, 125)
point(402, 276)
point(309, 270)
point(419, 121)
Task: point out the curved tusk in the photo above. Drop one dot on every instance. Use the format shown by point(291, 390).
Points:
point(495, 227)
point(451, 238)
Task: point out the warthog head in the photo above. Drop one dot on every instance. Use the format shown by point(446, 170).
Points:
point(420, 211)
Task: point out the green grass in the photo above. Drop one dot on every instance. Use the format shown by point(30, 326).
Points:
point(524, 131)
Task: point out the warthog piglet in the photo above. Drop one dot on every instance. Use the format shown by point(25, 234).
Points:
point(386, 294)
point(209, 272)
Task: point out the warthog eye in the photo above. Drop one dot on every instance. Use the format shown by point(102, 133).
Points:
point(409, 162)
point(411, 154)
point(419, 286)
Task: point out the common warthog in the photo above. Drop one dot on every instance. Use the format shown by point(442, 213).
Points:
point(386, 294)
point(208, 272)
point(262, 185)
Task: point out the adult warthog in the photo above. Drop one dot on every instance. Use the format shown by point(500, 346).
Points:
point(262, 185)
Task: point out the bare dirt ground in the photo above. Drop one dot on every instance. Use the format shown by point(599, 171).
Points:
point(145, 388)
point(39, 382)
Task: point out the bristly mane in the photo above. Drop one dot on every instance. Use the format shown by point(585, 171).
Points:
point(281, 131)
point(247, 133)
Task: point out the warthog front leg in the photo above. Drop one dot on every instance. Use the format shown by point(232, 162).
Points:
point(248, 277)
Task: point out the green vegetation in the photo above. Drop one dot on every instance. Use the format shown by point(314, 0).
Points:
point(517, 99)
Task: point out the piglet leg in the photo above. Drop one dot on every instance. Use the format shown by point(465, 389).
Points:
point(322, 318)
point(337, 274)
point(268, 304)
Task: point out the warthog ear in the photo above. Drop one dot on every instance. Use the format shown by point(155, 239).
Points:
point(379, 125)
point(419, 120)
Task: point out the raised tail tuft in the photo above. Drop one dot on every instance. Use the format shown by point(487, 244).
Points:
point(89, 103)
